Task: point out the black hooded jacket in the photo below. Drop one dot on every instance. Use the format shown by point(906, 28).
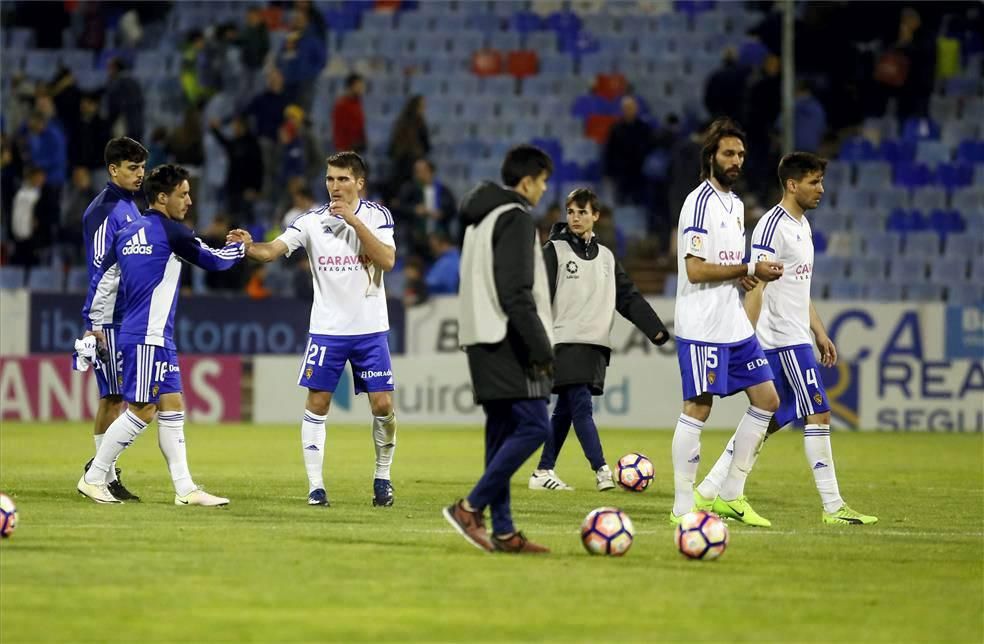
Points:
point(578, 364)
point(518, 367)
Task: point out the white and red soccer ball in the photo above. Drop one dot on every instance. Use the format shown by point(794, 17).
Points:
point(8, 515)
point(607, 531)
point(701, 535)
point(634, 472)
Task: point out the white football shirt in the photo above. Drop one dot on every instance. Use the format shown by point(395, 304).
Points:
point(785, 317)
point(349, 296)
point(712, 227)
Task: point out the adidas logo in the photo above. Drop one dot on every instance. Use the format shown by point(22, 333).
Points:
point(312, 448)
point(695, 459)
point(819, 466)
point(137, 245)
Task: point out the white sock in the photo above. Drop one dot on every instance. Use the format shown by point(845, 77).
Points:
point(384, 438)
point(111, 474)
point(313, 448)
point(171, 439)
point(120, 435)
point(686, 460)
point(712, 483)
point(748, 437)
point(816, 442)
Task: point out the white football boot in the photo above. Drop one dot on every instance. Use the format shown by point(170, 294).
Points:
point(198, 496)
point(547, 480)
point(604, 478)
point(98, 492)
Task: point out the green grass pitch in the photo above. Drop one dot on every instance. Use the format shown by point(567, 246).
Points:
point(269, 568)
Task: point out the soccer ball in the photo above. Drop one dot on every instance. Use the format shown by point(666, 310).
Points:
point(634, 472)
point(701, 535)
point(607, 531)
point(8, 515)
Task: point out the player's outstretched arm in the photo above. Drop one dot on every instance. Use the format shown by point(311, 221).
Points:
point(702, 272)
point(266, 251)
point(631, 305)
point(193, 250)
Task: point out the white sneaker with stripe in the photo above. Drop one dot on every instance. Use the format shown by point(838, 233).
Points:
point(547, 480)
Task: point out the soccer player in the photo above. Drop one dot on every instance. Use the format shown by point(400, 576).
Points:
point(149, 252)
point(111, 210)
point(716, 345)
point(783, 316)
point(587, 287)
point(506, 328)
point(349, 242)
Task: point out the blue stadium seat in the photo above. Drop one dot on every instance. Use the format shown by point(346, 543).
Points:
point(897, 151)
point(844, 290)
point(502, 88)
point(852, 200)
point(416, 22)
point(954, 175)
point(867, 223)
point(947, 222)
point(427, 85)
point(837, 175)
point(45, 279)
point(968, 198)
point(858, 149)
point(866, 268)
point(962, 86)
point(844, 245)
point(949, 270)
point(977, 270)
point(932, 152)
point(913, 175)
point(907, 270)
point(919, 129)
point(970, 151)
point(830, 221)
point(906, 221)
point(924, 292)
point(12, 276)
point(883, 292)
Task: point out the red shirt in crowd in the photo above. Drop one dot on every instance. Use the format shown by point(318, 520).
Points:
point(349, 124)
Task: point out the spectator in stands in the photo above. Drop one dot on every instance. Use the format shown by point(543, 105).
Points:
point(87, 148)
point(684, 170)
point(314, 18)
point(35, 212)
point(811, 119)
point(77, 198)
point(444, 274)
point(428, 204)
point(298, 152)
point(763, 104)
point(66, 97)
point(409, 141)
point(185, 141)
point(10, 173)
point(546, 222)
point(267, 112)
point(18, 102)
point(414, 288)
point(725, 90)
point(244, 176)
point(124, 99)
point(301, 201)
point(907, 67)
point(254, 41)
point(192, 53)
point(48, 149)
point(157, 147)
point(629, 143)
point(301, 59)
point(348, 120)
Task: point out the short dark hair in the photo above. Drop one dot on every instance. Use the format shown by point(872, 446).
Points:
point(352, 79)
point(164, 178)
point(582, 197)
point(524, 161)
point(719, 129)
point(797, 165)
point(350, 161)
point(123, 148)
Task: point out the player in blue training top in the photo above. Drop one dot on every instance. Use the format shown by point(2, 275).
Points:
point(149, 253)
point(112, 209)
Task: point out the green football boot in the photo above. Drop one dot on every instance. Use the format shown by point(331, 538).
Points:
point(740, 510)
point(702, 502)
point(675, 520)
point(847, 516)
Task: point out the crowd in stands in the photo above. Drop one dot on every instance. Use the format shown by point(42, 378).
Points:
point(252, 97)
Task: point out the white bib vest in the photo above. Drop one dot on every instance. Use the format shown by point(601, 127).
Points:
point(584, 304)
point(481, 319)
